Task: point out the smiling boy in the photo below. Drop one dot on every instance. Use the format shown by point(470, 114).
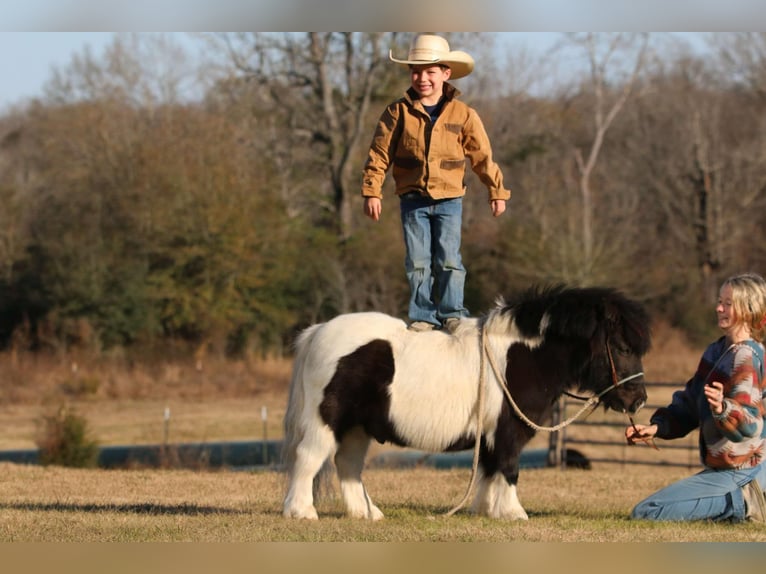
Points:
point(426, 136)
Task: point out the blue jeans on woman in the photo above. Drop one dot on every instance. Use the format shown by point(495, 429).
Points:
point(432, 230)
point(708, 495)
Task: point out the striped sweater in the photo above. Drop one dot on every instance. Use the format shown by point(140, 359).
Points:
point(735, 438)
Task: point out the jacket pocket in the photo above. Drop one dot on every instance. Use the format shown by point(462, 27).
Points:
point(407, 163)
point(452, 163)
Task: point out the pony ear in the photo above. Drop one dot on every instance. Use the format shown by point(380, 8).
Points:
point(612, 313)
point(633, 322)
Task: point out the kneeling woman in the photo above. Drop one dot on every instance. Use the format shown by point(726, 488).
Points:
point(724, 399)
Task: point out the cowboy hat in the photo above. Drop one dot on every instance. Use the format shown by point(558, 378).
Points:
point(432, 49)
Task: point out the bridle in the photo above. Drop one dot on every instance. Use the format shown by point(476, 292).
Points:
point(615, 383)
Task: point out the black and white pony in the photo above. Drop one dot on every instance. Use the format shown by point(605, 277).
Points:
point(364, 376)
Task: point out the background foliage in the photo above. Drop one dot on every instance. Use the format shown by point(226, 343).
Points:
point(152, 199)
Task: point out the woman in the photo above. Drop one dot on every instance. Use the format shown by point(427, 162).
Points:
point(724, 399)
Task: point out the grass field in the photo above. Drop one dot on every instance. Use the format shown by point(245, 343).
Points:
point(50, 504)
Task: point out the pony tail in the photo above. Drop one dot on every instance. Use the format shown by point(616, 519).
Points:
point(296, 401)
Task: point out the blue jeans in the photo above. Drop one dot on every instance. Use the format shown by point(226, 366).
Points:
point(708, 495)
point(434, 267)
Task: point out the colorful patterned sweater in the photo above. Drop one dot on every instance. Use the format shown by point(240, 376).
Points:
point(736, 438)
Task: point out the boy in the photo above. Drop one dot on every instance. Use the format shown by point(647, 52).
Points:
point(426, 136)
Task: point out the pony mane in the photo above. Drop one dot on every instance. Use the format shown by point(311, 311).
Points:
point(574, 312)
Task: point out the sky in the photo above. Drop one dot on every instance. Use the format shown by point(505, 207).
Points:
point(301, 15)
point(27, 59)
point(36, 35)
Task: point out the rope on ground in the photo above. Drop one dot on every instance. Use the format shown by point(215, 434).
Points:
point(479, 429)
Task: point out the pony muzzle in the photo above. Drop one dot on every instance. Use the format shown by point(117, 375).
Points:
point(628, 406)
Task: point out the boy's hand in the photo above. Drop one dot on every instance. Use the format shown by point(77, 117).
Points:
point(372, 207)
point(498, 206)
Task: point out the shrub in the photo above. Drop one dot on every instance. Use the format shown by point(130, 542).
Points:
point(84, 386)
point(65, 441)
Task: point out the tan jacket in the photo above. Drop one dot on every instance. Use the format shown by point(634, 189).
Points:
point(431, 159)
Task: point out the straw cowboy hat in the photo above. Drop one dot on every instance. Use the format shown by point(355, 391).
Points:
point(432, 49)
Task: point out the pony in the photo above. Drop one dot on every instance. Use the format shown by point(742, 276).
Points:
point(364, 376)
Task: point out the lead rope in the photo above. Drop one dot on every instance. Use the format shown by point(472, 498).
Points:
point(479, 408)
point(591, 402)
point(484, 352)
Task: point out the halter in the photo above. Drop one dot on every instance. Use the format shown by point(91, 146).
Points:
point(615, 382)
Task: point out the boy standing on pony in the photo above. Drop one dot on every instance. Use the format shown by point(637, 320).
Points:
point(426, 136)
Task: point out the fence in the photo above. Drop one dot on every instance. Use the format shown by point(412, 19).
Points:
point(600, 438)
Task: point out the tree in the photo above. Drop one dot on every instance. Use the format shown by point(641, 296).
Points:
point(741, 59)
point(320, 85)
point(146, 218)
point(606, 105)
point(697, 152)
point(135, 209)
point(574, 219)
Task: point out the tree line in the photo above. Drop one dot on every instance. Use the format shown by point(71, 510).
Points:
point(151, 198)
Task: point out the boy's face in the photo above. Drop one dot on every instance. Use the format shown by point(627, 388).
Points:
point(428, 79)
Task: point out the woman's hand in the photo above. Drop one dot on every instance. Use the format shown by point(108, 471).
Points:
point(640, 433)
point(714, 396)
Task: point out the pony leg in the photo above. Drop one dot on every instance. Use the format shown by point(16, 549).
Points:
point(497, 498)
point(316, 447)
point(349, 460)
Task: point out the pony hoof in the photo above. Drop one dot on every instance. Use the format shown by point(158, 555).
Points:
point(373, 514)
point(310, 514)
point(509, 515)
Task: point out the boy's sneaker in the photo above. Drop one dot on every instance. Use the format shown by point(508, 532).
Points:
point(451, 323)
point(755, 502)
point(419, 326)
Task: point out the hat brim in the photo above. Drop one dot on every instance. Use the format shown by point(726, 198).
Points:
point(459, 62)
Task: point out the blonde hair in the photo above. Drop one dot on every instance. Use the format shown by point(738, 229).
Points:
point(748, 293)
